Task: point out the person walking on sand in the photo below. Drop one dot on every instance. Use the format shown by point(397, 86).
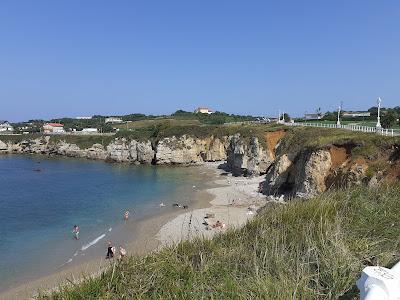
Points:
point(75, 232)
point(110, 251)
point(126, 215)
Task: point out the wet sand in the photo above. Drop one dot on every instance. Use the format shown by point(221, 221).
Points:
point(168, 228)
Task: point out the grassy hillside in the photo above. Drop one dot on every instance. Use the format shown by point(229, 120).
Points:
point(365, 144)
point(302, 250)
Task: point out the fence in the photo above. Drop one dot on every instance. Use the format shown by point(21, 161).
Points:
point(361, 128)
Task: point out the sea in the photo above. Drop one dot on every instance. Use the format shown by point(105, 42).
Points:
point(42, 198)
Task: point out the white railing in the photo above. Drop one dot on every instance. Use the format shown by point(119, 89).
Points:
point(361, 128)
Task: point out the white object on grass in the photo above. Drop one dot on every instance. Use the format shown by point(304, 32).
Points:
point(379, 283)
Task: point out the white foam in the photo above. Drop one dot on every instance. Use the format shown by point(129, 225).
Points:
point(67, 262)
point(109, 230)
point(95, 241)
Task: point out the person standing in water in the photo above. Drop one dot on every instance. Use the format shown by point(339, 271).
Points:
point(75, 232)
point(126, 215)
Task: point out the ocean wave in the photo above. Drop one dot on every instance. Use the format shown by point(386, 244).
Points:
point(95, 241)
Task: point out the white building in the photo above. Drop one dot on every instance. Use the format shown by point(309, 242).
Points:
point(356, 114)
point(313, 116)
point(89, 130)
point(113, 120)
point(6, 127)
point(51, 128)
point(83, 118)
point(203, 110)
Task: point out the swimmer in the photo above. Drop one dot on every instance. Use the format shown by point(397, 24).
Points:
point(126, 215)
point(75, 232)
point(162, 204)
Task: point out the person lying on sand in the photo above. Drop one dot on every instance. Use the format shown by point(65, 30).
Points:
point(180, 206)
point(122, 252)
point(219, 224)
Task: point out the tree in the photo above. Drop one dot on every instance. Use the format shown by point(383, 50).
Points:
point(389, 119)
point(286, 117)
point(330, 116)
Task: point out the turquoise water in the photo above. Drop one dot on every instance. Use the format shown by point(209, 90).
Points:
point(41, 199)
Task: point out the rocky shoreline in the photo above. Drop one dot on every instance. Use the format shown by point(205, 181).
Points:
point(292, 170)
point(249, 158)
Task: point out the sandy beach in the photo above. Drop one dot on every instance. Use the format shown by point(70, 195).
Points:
point(232, 201)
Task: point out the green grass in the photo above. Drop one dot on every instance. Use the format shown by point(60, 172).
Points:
point(157, 121)
point(82, 141)
point(311, 249)
point(167, 129)
point(365, 144)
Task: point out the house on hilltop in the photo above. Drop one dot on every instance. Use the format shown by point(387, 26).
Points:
point(113, 120)
point(203, 110)
point(6, 127)
point(52, 128)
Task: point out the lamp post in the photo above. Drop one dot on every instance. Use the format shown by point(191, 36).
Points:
point(378, 123)
point(338, 114)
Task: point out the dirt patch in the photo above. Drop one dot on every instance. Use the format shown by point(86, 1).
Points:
point(360, 161)
point(338, 156)
point(394, 173)
point(272, 139)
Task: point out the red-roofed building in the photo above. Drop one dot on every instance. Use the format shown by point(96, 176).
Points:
point(50, 128)
point(203, 110)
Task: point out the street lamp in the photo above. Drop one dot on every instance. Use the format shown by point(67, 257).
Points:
point(338, 114)
point(378, 123)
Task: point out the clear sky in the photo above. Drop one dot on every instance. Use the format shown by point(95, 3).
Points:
point(74, 58)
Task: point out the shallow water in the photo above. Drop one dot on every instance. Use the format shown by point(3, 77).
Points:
point(42, 198)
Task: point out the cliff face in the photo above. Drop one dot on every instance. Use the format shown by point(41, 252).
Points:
point(243, 157)
point(122, 150)
point(312, 172)
point(292, 170)
point(247, 158)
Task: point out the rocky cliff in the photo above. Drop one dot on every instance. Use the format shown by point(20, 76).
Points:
point(293, 167)
point(247, 158)
point(244, 156)
point(313, 171)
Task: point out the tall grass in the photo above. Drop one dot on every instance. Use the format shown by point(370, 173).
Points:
point(311, 249)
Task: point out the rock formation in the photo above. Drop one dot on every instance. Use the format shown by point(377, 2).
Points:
point(303, 172)
point(247, 158)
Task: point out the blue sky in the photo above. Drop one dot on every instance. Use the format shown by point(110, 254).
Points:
point(73, 58)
